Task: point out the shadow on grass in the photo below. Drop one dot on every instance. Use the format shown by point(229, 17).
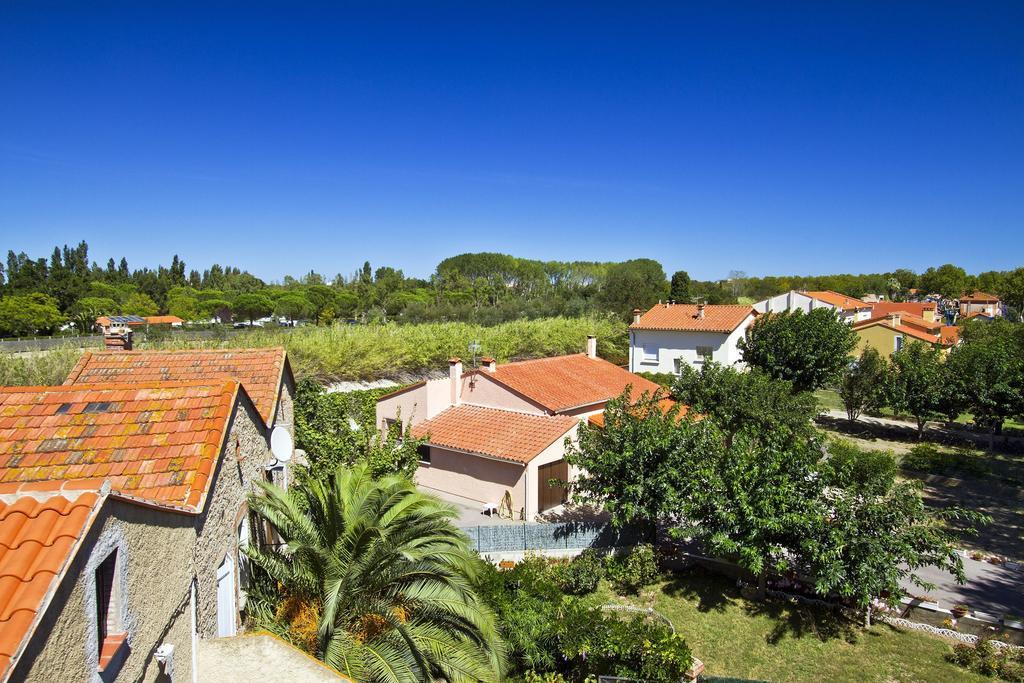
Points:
point(715, 593)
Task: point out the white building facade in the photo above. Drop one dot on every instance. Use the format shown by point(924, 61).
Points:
point(672, 335)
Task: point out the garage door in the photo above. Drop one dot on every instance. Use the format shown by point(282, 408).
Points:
point(550, 496)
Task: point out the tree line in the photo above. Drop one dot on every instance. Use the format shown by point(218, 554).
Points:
point(38, 295)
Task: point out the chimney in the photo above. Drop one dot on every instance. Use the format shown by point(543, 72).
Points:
point(636, 315)
point(490, 365)
point(700, 311)
point(591, 346)
point(894, 318)
point(118, 342)
point(455, 377)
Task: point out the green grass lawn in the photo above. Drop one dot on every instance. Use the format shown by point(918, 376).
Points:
point(777, 641)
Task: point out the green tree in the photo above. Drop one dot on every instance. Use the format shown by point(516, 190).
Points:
point(862, 387)
point(680, 287)
point(634, 466)
point(87, 309)
point(1011, 290)
point(392, 580)
point(874, 532)
point(986, 373)
point(292, 306)
point(27, 314)
point(252, 306)
point(950, 281)
point(737, 400)
point(917, 383)
point(139, 304)
point(339, 429)
point(320, 297)
point(639, 283)
point(808, 349)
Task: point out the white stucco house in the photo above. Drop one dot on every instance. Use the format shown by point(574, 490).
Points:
point(850, 309)
point(670, 335)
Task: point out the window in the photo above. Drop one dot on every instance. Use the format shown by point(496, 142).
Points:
point(898, 342)
point(423, 451)
point(704, 353)
point(649, 354)
point(110, 635)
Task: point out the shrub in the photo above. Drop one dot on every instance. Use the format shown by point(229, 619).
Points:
point(635, 570)
point(546, 677)
point(582, 575)
point(984, 658)
point(928, 458)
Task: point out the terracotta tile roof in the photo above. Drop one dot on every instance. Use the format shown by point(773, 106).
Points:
point(503, 434)
point(259, 370)
point(908, 330)
point(683, 317)
point(976, 314)
point(156, 442)
point(841, 301)
point(979, 297)
point(917, 308)
point(665, 404)
point(565, 382)
point(950, 335)
point(905, 319)
point(38, 538)
point(163, 319)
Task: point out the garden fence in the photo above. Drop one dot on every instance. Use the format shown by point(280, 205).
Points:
point(557, 536)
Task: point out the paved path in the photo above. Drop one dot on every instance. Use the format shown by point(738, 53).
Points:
point(993, 589)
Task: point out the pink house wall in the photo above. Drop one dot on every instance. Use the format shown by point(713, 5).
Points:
point(415, 405)
point(469, 476)
point(481, 390)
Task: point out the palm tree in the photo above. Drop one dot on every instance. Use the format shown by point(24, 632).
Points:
point(391, 579)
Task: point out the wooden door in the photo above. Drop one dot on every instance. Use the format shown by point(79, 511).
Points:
point(549, 496)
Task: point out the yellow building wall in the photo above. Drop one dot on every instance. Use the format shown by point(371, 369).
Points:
point(877, 337)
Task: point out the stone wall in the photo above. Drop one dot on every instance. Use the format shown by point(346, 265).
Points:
point(160, 551)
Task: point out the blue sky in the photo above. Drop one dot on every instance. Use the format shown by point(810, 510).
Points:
point(824, 137)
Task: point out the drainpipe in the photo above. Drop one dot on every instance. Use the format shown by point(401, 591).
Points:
point(195, 633)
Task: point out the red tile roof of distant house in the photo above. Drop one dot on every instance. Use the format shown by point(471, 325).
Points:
point(163, 320)
point(155, 442)
point(665, 405)
point(38, 539)
point(933, 337)
point(564, 382)
point(949, 335)
point(687, 317)
point(503, 434)
point(905, 319)
point(840, 301)
point(917, 308)
point(978, 297)
point(259, 370)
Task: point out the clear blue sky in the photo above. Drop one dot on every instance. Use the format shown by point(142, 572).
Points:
point(832, 137)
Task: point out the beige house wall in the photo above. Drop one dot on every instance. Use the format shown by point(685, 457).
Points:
point(415, 405)
point(553, 453)
point(477, 478)
point(160, 551)
point(481, 390)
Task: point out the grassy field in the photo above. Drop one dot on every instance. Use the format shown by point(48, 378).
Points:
point(364, 352)
point(828, 399)
point(778, 641)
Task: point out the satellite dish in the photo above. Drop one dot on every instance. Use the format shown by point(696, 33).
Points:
point(281, 444)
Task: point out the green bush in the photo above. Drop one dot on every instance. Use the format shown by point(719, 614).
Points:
point(46, 368)
point(850, 467)
point(633, 571)
point(984, 658)
point(583, 574)
point(928, 458)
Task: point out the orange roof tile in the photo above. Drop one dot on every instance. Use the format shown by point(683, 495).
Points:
point(950, 335)
point(163, 319)
point(665, 405)
point(157, 442)
point(683, 317)
point(503, 434)
point(917, 308)
point(563, 382)
point(910, 331)
point(261, 371)
point(905, 319)
point(841, 301)
point(38, 539)
point(979, 297)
